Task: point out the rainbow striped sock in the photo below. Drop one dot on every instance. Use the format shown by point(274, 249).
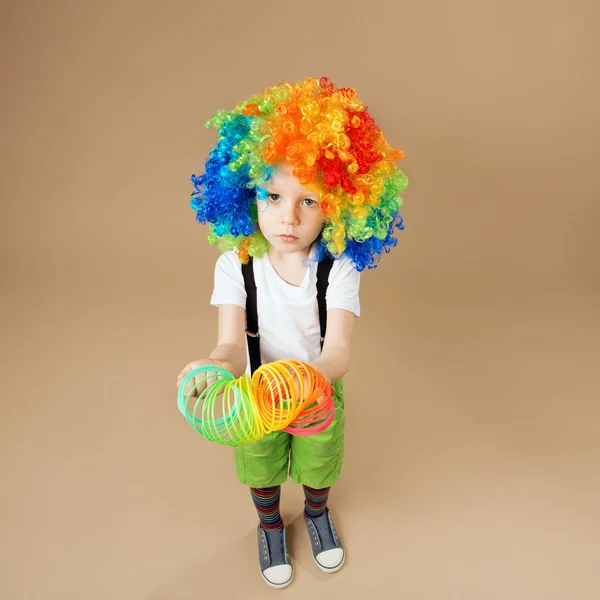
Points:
point(315, 501)
point(266, 501)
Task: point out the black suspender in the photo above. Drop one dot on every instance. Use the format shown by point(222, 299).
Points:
point(323, 269)
point(251, 316)
point(252, 336)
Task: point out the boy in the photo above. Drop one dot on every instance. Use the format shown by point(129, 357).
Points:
point(302, 194)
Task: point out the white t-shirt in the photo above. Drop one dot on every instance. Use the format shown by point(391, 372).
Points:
point(288, 316)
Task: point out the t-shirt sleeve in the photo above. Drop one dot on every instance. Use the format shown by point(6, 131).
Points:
point(344, 284)
point(229, 281)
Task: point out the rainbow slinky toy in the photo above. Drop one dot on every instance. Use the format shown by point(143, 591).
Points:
point(251, 408)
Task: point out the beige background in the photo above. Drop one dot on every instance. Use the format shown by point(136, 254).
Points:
point(472, 439)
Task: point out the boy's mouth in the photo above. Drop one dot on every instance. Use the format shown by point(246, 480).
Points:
point(287, 238)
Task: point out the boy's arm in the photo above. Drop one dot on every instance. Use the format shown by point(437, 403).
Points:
point(335, 356)
point(231, 342)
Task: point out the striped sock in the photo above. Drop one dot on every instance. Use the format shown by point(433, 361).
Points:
point(266, 501)
point(315, 501)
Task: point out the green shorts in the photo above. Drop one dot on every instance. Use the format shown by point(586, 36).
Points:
point(315, 460)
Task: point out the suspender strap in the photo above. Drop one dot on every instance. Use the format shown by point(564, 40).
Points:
point(251, 316)
point(323, 270)
point(252, 336)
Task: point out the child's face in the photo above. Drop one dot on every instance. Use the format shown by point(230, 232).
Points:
point(290, 217)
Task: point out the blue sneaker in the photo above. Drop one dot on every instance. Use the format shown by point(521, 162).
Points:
point(275, 563)
point(328, 551)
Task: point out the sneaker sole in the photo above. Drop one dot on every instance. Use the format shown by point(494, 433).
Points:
point(277, 586)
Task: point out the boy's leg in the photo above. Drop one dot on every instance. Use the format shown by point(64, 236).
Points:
point(315, 501)
point(316, 460)
point(264, 463)
point(266, 501)
point(263, 466)
point(316, 463)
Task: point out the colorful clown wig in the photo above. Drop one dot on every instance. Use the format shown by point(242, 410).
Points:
point(336, 150)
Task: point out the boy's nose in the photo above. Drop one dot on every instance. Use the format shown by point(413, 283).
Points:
point(290, 215)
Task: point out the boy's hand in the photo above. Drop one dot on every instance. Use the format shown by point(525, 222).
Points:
point(201, 385)
point(322, 371)
point(306, 378)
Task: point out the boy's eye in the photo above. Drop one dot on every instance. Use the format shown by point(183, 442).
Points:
point(273, 197)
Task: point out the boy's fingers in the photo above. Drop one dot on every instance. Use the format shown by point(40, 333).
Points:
point(200, 382)
point(182, 373)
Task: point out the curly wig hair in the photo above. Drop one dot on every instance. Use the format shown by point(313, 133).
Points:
point(335, 149)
